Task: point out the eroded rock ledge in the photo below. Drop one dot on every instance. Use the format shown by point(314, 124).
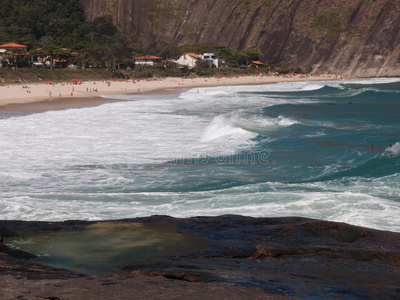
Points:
point(209, 257)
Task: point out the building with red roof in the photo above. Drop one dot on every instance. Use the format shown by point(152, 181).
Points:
point(256, 64)
point(188, 59)
point(148, 60)
point(13, 46)
point(194, 55)
point(16, 50)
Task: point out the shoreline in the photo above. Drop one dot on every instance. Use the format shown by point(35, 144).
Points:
point(44, 97)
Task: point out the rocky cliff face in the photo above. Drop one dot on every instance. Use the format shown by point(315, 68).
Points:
point(358, 37)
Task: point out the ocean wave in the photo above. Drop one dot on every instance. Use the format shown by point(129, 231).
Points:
point(366, 81)
point(380, 165)
point(333, 89)
point(222, 126)
point(298, 91)
point(236, 122)
point(355, 200)
point(316, 134)
point(263, 125)
point(140, 158)
point(392, 150)
point(295, 86)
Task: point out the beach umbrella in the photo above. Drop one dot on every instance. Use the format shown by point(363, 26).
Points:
point(75, 79)
point(48, 82)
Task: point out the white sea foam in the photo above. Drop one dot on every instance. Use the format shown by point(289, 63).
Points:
point(100, 135)
point(346, 206)
point(317, 134)
point(366, 81)
point(243, 126)
point(222, 126)
point(264, 125)
point(291, 86)
point(393, 149)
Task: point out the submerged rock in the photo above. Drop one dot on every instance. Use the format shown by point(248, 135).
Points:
point(227, 256)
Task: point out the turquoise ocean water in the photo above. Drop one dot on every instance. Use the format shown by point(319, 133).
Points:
point(311, 149)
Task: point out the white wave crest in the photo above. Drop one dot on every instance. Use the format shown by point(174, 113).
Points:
point(222, 126)
point(393, 149)
point(239, 122)
point(294, 86)
point(259, 123)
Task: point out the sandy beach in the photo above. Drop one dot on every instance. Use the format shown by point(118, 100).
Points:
point(42, 96)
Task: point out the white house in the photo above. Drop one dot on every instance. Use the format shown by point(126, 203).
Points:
point(211, 59)
point(188, 59)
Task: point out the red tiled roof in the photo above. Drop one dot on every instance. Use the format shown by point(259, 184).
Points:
point(13, 45)
point(149, 57)
point(194, 55)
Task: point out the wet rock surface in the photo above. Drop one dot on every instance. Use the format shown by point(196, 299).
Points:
point(211, 257)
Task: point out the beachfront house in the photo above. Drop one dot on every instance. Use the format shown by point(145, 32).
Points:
point(211, 59)
point(148, 60)
point(12, 54)
point(57, 58)
point(188, 59)
point(13, 46)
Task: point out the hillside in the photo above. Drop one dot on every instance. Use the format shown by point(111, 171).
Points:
point(358, 37)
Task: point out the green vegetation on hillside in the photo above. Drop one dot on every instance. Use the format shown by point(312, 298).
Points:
point(40, 22)
point(58, 31)
point(330, 22)
point(62, 24)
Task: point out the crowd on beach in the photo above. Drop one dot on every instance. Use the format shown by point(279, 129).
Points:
point(36, 92)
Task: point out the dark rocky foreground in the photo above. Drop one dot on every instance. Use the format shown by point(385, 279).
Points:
point(226, 257)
